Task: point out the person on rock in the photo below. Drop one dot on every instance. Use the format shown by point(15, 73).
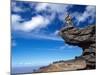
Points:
point(68, 20)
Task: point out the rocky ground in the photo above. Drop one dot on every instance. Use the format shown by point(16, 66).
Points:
point(82, 37)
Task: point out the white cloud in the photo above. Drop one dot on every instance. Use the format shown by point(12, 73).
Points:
point(82, 17)
point(55, 38)
point(67, 46)
point(36, 22)
point(40, 21)
point(53, 9)
point(15, 18)
point(15, 21)
point(56, 32)
point(16, 8)
point(61, 9)
point(41, 6)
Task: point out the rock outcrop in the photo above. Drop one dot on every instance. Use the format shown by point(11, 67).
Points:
point(82, 37)
point(69, 65)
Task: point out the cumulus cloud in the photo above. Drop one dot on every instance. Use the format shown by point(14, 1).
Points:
point(36, 22)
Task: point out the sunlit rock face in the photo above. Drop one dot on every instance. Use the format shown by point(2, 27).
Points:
point(85, 38)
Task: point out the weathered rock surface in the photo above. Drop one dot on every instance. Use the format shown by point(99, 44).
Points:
point(84, 38)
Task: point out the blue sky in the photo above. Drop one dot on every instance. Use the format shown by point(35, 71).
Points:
point(35, 27)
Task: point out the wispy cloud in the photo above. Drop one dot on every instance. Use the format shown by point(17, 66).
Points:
point(56, 32)
point(39, 21)
point(87, 15)
point(15, 8)
point(41, 6)
point(43, 20)
point(28, 35)
point(67, 46)
point(59, 9)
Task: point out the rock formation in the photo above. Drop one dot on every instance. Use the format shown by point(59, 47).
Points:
point(82, 37)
